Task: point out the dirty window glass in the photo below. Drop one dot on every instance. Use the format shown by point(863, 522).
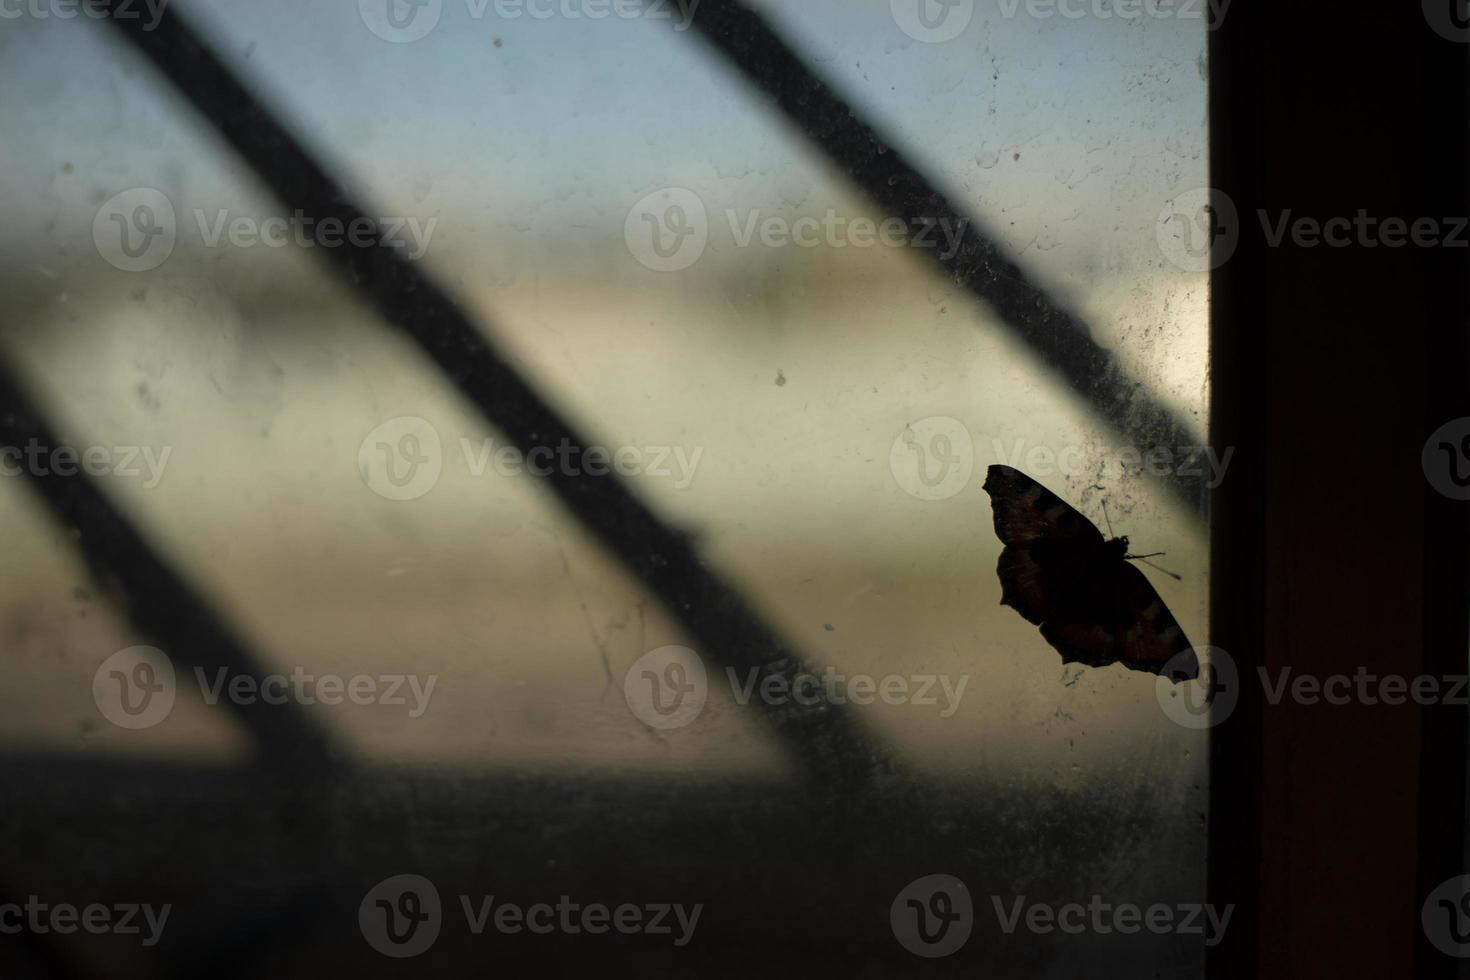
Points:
point(389, 674)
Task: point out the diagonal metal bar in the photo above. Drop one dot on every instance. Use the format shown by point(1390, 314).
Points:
point(157, 600)
point(870, 159)
point(826, 741)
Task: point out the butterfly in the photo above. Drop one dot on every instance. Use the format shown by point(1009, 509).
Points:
point(1059, 572)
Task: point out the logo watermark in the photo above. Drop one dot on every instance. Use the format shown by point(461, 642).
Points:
point(403, 459)
point(136, 687)
point(1201, 462)
point(667, 688)
point(63, 919)
point(1198, 688)
point(1208, 700)
point(937, 21)
point(137, 230)
point(1362, 687)
point(934, 459)
point(1102, 918)
point(1210, 11)
point(148, 11)
point(932, 21)
point(1362, 230)
point(1446, 459)
point(1445, 917)
point(1450, 19)
point(403, 916)
point(126, 462)
point(406, 21)
point(669, 230)
point(1200, 229)
point(932, 916)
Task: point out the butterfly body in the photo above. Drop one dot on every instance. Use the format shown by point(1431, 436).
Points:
point(1060, 573)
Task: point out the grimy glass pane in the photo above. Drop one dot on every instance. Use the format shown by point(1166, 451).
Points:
point(803, 387)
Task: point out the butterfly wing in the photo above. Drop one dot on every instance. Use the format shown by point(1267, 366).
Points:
point(1040, 531)
point(1118, 617)
point(1027, 512)
point(1058, 572)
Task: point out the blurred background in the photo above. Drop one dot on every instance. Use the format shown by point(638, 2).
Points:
point(767, 389)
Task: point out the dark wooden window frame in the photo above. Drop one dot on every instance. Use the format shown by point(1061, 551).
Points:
point(1330, 367)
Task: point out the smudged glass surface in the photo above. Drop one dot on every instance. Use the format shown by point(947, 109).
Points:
point(777, 399)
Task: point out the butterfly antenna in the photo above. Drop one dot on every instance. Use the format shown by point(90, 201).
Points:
point(1154, 554)
point(1107, 518)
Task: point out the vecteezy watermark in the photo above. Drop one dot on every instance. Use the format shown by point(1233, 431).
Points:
point(932, 21)
point(403, 458)
point(404, 21)
point(667, 688)
point(40, 918)
point(1445, 917)
point(1450, 19)
point(136, 688)
point(1198, 688)
point(1208, 701)
point(1363, 687)
point(403, 916)
point(1210, 11)
point(1446, 459)
point(130, 462)
point(830, 687)
point(932, 916)
point(934, 459)
point(148, 11)
point(1201, 462)
point(1362, 230)
point(136, 230)
point(1102, 918)
point(937, 21)
point(1200, 229)
point(669, 230)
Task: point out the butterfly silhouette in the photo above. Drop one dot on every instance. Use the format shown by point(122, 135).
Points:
point(1059, 572)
